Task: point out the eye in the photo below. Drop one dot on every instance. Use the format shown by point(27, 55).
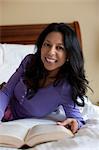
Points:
point(60, 48)
point(45, 44)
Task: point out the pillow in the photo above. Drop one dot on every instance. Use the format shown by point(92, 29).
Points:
point(11, 56)
point(12, 52)
point(1, 54)
point(89, 111)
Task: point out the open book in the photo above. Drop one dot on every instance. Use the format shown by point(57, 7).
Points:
point(26, 132)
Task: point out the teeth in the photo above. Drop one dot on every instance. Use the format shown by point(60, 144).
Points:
point(50, 60)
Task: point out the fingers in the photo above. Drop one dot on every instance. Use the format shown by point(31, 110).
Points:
point(65, 122)
point(74, 126)
point(71, 123)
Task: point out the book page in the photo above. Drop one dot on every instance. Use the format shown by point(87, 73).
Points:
point(12, 134)
point(44, 133)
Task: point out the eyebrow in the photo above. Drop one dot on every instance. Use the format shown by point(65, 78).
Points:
point(57, 43)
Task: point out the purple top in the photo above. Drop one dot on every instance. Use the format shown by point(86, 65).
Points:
point(44, 102)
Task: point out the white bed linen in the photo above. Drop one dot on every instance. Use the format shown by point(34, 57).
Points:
point(11, 56)
point(87, 138)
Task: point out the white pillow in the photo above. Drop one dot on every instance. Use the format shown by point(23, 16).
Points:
point(89, 111)
point(12, 52)
point(11, 56)
point(1, 54)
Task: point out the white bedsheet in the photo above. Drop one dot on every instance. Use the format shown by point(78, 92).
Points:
point(87, 138)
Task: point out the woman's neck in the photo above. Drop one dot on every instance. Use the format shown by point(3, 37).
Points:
point(49, 79)
point(53, 73)
point(46, 82)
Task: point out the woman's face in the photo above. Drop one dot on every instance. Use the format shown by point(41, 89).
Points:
point(53, 54)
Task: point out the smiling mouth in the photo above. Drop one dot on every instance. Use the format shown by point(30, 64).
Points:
point(50, 60)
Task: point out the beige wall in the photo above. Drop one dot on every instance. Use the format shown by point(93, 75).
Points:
point(46, 11)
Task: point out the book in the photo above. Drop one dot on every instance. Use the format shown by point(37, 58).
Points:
point(30, 132)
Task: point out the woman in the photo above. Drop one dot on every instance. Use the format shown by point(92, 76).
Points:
point(53, 76)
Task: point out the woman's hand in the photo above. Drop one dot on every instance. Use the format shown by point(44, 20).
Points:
point(70, 123)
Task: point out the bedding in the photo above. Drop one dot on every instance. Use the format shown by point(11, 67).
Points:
point(10, 58)
point(16, 42)
point(87, 138)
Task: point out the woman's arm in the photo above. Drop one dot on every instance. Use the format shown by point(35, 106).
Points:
point(7, 91)
point(74, 118)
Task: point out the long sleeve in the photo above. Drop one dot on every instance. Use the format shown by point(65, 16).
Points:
point(7, 91)
point(73, 112)
point(4, 99)
point(71, 109)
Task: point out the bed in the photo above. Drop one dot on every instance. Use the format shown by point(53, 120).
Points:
point(16, 41)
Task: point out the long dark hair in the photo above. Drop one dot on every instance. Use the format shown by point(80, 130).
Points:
point(73, 70)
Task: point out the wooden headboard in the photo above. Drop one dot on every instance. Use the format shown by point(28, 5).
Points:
point(27, 34)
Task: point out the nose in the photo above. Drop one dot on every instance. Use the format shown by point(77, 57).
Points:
point(52, 50)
